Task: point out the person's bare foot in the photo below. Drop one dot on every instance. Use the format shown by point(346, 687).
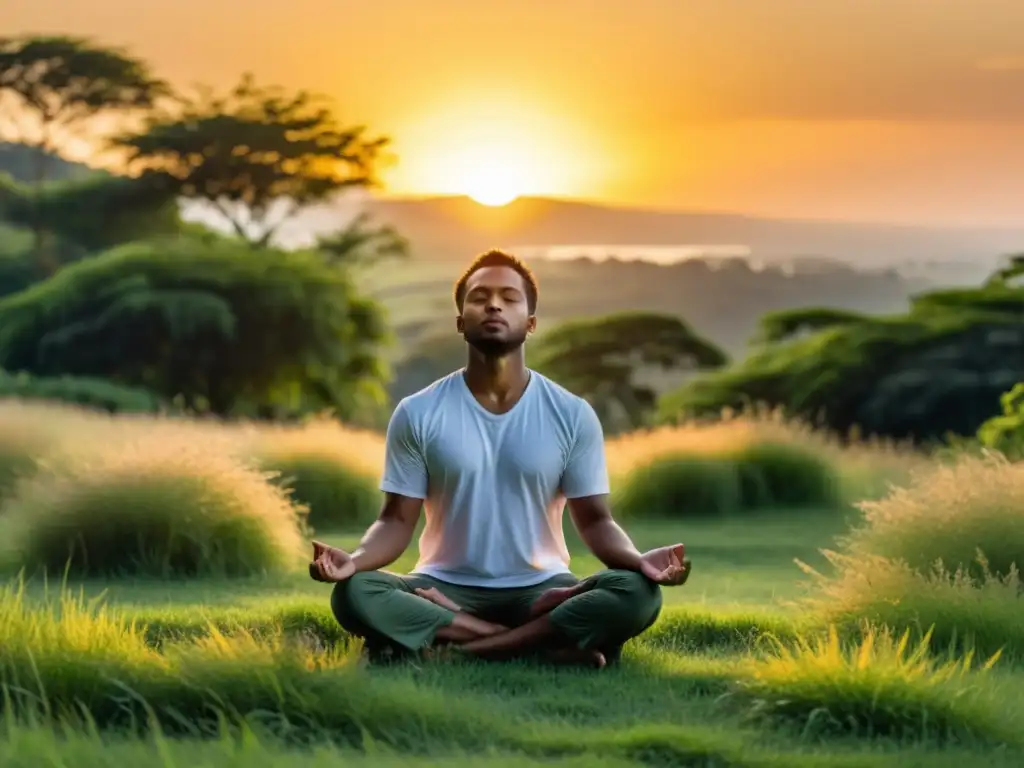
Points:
point(577, 657)
point(434, 595)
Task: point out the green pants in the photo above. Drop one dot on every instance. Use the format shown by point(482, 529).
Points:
point(383, 609)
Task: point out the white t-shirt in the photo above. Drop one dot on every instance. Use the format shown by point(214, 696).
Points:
point(494, 485)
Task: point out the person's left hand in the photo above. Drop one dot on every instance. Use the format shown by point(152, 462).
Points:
point(666, 565)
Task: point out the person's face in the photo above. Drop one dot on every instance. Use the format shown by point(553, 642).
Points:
point(495, 318)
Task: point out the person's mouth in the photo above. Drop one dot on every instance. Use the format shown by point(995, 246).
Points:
point(494, 323)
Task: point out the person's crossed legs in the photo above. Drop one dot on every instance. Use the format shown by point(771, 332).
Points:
point(568, 620)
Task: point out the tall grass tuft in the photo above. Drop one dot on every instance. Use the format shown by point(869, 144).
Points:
point(880, 684)
point(946, 515)
point(328, 469)
point(160, 505)
point(750, 462)
point(957, 610)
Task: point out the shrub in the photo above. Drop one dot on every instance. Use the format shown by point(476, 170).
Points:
point(749, 474)
point(875, 685)
point(157, 505)
point(328, 469)
point(948, 513)
point(953, 610)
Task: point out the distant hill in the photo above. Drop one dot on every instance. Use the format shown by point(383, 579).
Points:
point(455, 228)
point(21, 162)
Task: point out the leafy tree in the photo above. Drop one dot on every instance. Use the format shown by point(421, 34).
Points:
point(599, 359)
point(51, 87)
point(206, 323)
point(936, 371)
point(783, 325)
point(257, 155)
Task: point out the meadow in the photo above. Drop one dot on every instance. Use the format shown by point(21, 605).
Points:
point(849, 605)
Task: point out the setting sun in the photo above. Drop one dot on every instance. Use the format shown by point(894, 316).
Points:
point(491, 176)
point(494, 151)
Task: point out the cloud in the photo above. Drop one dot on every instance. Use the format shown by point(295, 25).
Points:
point(1011, 63)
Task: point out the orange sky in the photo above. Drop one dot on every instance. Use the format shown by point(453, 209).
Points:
point(901, 110)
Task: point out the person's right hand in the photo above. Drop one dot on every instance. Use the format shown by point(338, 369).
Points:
point(330, 564)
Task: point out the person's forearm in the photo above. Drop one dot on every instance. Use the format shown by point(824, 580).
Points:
point(611, 545)
point(383, 543)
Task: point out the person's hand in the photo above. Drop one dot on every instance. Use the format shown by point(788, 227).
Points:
point(552, 598)
point(330, 564)
point(666, 565)
point(434, 595)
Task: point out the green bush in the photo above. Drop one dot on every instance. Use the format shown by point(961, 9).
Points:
point(747, 478)
point(158, 506)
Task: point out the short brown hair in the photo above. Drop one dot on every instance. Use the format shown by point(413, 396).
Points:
point(496, 258)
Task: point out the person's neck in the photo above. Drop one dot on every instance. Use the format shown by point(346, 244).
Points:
point(497, 381)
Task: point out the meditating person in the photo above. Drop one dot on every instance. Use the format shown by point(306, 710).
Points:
point(495, 452)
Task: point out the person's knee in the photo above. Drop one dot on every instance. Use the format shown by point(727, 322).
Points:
point(351, 598)
point(639, 598)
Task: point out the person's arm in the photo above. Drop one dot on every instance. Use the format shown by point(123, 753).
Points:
point(390, 534)
point(404, 483)
point(585, 485)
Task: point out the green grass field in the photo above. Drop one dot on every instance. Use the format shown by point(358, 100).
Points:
point(204, 670)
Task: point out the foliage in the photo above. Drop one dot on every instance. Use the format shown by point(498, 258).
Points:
point(257, 155)
point(156, 506)
point(62, 82)
point(743, 479)
point(877, 685)
point(91, 213)
point(783, 325)
point(597, 359)
point(1005, 432)
point(326, 470)
point(936, 371)
point(229, 331)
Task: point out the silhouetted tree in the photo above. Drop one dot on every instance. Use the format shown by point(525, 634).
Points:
point(52, 86)
point(257, 155)
point(599, 359)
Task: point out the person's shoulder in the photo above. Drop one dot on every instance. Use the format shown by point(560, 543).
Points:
point(566, 401)
point(426, 400)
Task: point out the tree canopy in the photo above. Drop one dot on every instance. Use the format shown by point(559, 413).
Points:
point(602, 360)
point(781, 326)
point(51, 86)
point(228, 332)
point(939, 369)
point(257, 155)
